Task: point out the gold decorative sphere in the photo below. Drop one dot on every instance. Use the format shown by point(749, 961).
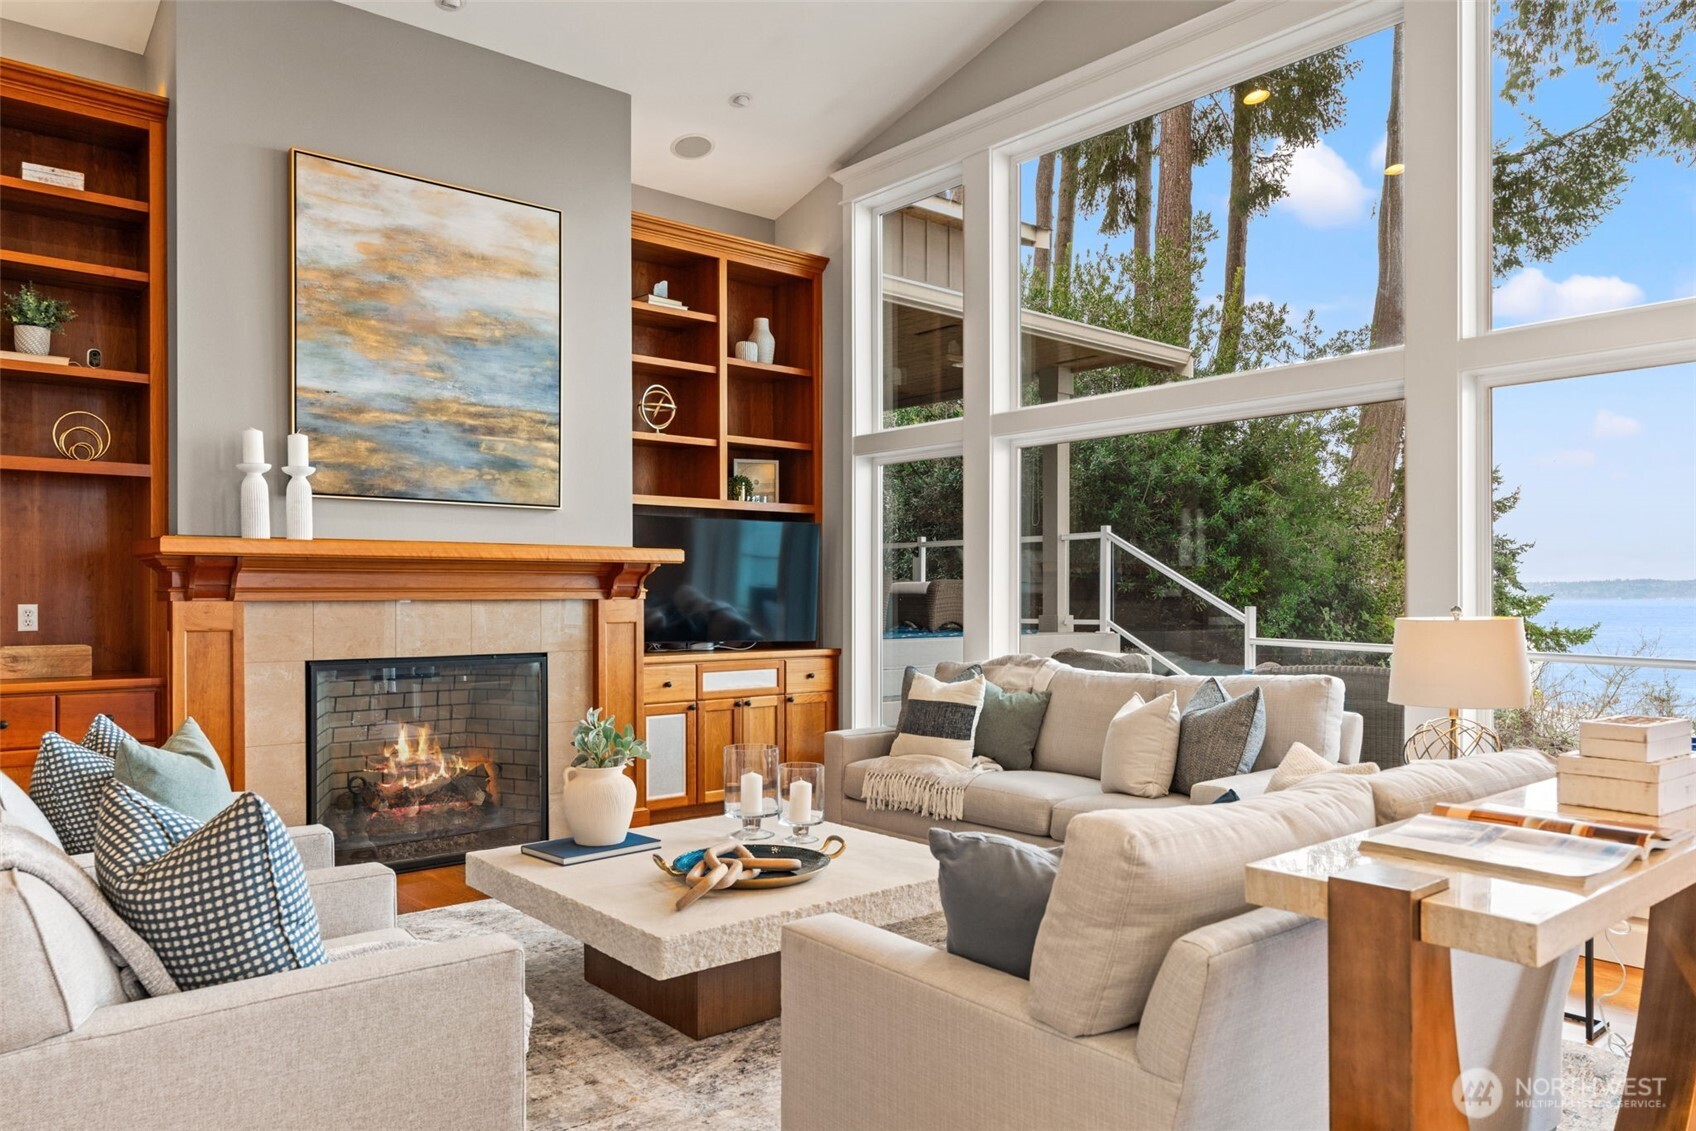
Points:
point(1442, 739)
point(658, 407)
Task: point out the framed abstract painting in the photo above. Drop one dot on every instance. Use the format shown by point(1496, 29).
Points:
point(426, 337)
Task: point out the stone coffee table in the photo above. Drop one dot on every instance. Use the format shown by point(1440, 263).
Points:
point(714, 966)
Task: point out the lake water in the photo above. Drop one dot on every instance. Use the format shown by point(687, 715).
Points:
point(1668, 625)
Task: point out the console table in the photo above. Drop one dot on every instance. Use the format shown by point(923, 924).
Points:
point(1393, 1057)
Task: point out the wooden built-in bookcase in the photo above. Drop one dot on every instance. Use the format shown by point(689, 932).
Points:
point(726, 409)
point(70, 527)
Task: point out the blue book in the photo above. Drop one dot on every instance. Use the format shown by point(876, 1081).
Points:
point(567, 851)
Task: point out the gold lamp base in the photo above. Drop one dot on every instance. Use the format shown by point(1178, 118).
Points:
point(1453, 737)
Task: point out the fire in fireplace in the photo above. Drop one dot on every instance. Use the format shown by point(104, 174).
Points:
point(414, 763)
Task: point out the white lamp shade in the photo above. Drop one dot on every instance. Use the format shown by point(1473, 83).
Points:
point(1464, 662)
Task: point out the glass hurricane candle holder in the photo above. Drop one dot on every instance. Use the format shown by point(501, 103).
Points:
point(750, 787)
point(802, 787)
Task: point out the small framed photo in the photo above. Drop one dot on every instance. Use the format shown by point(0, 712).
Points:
point(762, 473)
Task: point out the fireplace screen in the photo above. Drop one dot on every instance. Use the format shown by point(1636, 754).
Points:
point(413, 763)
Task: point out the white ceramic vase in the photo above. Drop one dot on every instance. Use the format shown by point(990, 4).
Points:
point(32, 339)
point(762, 338)
point(598, 804)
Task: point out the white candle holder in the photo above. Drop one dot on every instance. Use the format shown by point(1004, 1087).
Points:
point(255, 500)
point(297, 503)
point(750, 787)
point(802, 786)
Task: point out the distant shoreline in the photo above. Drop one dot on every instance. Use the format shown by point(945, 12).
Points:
point(1621, 589)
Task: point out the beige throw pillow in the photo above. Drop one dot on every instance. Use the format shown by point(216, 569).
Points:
point(1141, 748)
point(940, 719)
point(1302, 763)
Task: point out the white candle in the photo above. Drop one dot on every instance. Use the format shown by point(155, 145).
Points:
point(753, 786)
point(800, 804)
point(253, 446)
point(297, 450)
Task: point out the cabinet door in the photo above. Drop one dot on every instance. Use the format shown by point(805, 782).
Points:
point(806, 717)
point(760, 720)
point(671, 762)
point(717, 729)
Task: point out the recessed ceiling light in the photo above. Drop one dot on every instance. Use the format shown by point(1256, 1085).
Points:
point(691, 147)
point(1256, 96)
point(741, 99)
point(1394, 170)
point(450, 5)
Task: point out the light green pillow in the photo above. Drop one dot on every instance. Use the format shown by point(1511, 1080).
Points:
point(1008, 726)
point(185, 774)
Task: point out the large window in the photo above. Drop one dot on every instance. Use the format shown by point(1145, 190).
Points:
point(921, 281)
point(1595, 544)
point(1594, 124)
point(923, 583)
point(1256, 226)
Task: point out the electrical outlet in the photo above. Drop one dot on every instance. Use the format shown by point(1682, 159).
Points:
point(29, 618)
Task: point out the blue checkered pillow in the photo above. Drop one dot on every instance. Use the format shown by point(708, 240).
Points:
point(218, 902)
point(66, 785)
point(104, 736)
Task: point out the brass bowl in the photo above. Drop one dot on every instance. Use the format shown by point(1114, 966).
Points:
point(813, 861)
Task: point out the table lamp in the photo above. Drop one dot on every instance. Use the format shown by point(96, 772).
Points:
point(1458, 662)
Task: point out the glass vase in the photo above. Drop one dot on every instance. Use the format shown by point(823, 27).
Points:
point(750, 787)
point(802, 786)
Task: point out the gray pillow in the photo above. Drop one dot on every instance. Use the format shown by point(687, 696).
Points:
point(1218, 736)
point(1091, 660)
point(971, 671)
point(184, 774)
point(994, 892)
point(1008, 726)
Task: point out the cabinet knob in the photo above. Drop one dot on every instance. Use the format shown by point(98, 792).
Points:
point(4, 723)
point(667, 683)
point(791, 699)
point(812, 675)
point(691, 706)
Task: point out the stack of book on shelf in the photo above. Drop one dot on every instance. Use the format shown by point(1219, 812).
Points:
point(661, 296)
point(1630, 764)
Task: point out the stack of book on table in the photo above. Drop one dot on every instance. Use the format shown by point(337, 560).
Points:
point(1630, 764)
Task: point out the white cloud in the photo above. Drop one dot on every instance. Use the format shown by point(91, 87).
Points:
point(1375, 160)
point(1571, 457)
point(1531, 296)
point(1322, 190)
point(1612, 426)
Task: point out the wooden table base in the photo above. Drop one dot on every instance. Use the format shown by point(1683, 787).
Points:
point(1661, 1084)
point(698, 1005)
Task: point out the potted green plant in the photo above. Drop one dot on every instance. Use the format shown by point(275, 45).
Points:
point(599, 798)
point(35, 317)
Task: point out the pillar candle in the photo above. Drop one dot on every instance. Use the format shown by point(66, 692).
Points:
point(297, 450)
point(800, 804)
point(253, 446)
point(753, 786)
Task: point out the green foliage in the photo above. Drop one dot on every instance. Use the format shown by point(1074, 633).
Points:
point(27, 306)
point(600, 745)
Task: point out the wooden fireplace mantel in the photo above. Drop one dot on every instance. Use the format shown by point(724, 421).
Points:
point(191, 568)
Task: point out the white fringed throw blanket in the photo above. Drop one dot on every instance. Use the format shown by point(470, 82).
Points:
point(919, 783)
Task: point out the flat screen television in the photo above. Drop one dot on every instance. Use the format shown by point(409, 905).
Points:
point(743, 581)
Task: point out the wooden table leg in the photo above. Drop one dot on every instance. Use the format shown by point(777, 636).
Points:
point(1394, 1061)
point(1661, 1084)
point(698, 1005)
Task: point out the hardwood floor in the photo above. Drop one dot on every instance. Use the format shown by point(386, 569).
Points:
point(433, 887)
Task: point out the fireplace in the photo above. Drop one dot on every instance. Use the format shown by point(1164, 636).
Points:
point(415, 762)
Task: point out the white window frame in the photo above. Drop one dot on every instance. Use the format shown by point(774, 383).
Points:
point(1444, 371)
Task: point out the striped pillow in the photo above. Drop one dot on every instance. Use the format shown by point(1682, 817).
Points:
point(940, 719)
point(218, 902)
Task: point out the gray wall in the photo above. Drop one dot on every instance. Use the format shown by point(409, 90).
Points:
point(702, 215)
point(96, 61)
point(1056, 37)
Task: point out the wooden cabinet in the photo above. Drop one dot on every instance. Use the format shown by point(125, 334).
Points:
point(29, 710)
point(787, 699)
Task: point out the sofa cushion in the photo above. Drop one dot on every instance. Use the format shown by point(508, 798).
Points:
point(26, 814)
point(1065, 811)
point(184, 774)
point(1008, 726)
point(1094, 660)
point(1023, 801)
point(1299, 708)
point(994, 891)
point(1406, 791)
point(66, 784)
point(224, 901)
point(956, 673)
point(939, 719)
point(1133, 883)
point(1141, 747)
point(1301, 764)
point(1017, 671)
point(1218, 737)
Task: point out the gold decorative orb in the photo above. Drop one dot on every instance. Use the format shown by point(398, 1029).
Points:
point(1443, 739)
point(658, 407)
point(81, 436)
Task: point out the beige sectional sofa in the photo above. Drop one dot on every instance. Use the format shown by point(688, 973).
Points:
point(1037, 804)
point(1148, 916)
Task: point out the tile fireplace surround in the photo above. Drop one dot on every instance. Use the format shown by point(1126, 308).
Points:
point(243, 617)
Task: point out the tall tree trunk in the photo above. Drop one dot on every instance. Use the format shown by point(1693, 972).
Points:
point(1066, 208)
point(1174, 298)
point(1379, 442)
point(1236, 231)
point(1142, 140)
point(1042, 257)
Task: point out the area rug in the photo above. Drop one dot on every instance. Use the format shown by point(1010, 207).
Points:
point(600, 1064)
